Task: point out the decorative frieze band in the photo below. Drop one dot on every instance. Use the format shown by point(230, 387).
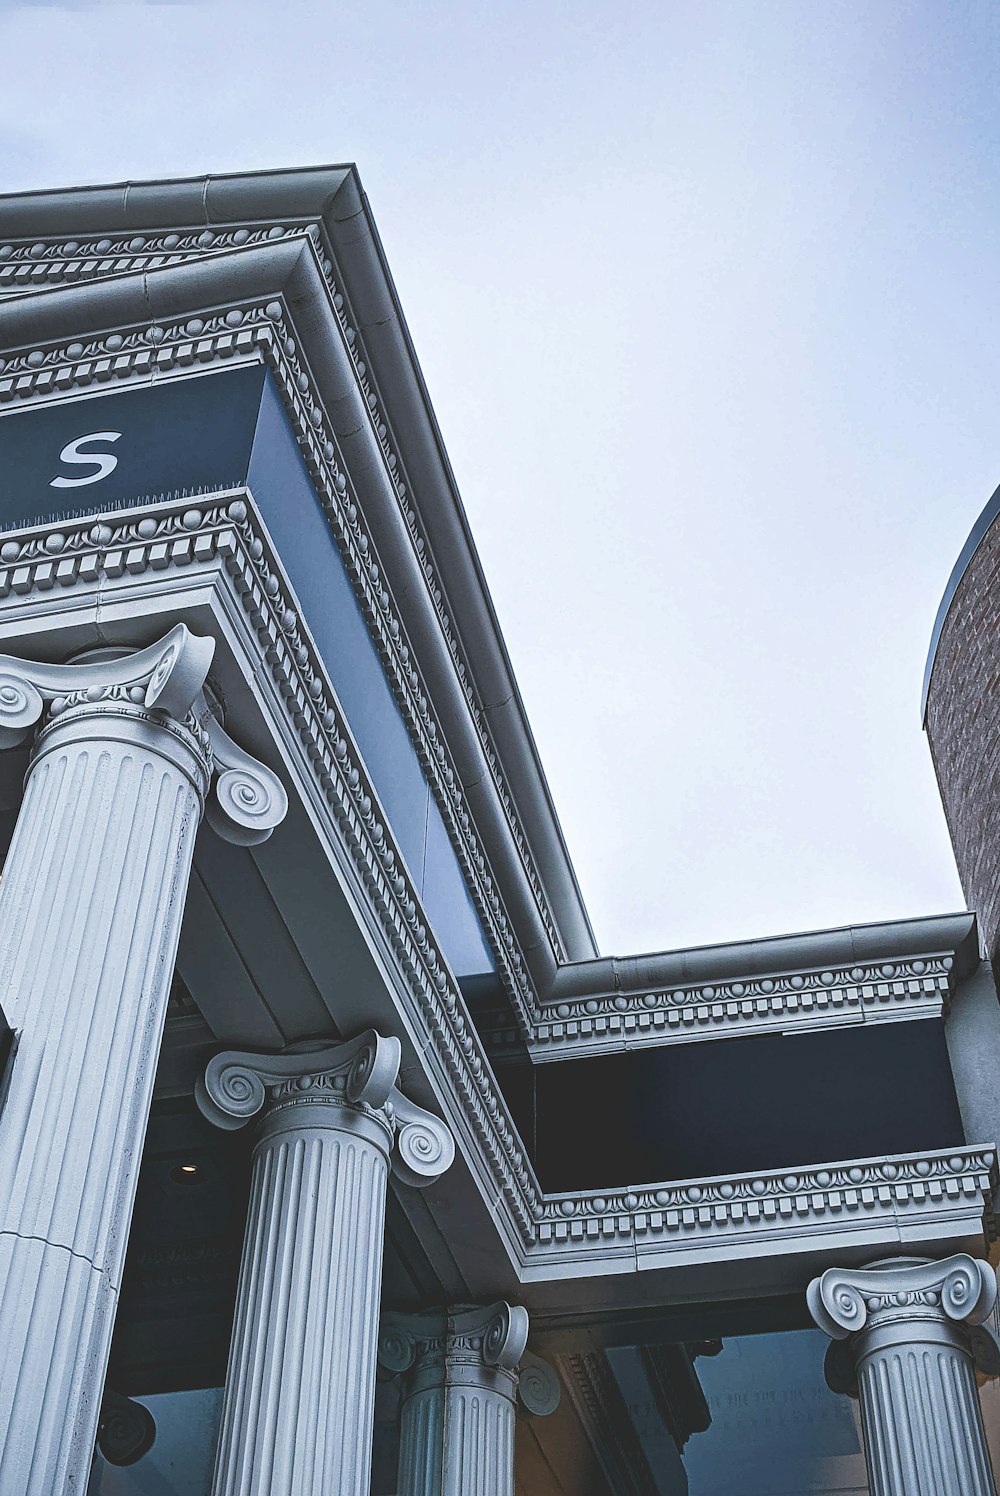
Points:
point(771, 1203)
point(917, 987)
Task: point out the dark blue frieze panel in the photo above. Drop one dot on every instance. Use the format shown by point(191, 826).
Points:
point(83, 456)
point(283, 491)
point(732, 1106)
point(226, 429)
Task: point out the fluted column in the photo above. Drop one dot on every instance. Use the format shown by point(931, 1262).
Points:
point(913, 1337)
point(463, 1370)
point(300, 1388)
point(91, 901)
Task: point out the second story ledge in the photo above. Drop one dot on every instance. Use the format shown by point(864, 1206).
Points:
point(875, 973)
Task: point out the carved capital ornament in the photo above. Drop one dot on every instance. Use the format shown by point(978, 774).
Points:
point(844, 1302)
point(360, 1074)
point(163, 683)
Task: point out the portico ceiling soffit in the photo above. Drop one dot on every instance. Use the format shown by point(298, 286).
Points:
point(273, 301)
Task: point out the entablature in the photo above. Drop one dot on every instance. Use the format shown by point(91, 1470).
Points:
point(126, 573)
point(265, 296)
point(105, 576)
point(376, 401)
point(888, 972)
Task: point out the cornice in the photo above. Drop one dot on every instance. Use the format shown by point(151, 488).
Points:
point(919, 986)
point(124, 209)
point(592, 1007)
point(42, 263)
point(551, 1235)
point(768, 1206)
point(60, 238)
point(256, 330)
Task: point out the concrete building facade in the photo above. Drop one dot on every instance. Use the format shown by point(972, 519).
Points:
point(334, 1158)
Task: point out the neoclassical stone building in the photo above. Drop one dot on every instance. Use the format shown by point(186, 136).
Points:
point(334, 1159)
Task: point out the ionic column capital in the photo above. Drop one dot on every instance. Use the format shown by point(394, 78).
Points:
point(469, 1346)
point(463, 1369)
point(487, 1341)
point(358, 1076)
point(906, 1335)
point(960, 1290)
point(165, 677)
point(161, 686)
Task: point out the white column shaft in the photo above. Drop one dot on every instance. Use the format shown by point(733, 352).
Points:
point(421, 1443)
point(479, 1443)
point(90, 909)
point(922, 1422)
point(300, 1390)
point(456, 1441)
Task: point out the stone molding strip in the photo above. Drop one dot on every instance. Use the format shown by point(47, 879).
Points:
point(833, 997)
point(771, 1204)
point(608, 1424)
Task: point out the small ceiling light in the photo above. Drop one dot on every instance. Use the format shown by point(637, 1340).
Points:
point(185, 1173)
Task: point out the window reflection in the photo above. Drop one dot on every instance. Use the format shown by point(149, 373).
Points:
point(182, 1458)
point(777, 1429)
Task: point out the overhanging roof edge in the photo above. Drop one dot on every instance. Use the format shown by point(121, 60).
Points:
point(473, 610)
point(334, 196)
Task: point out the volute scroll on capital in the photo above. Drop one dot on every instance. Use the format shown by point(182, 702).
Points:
point(844, 1302)
point(360, 1073)
point(166, 680)
point(493, 1337)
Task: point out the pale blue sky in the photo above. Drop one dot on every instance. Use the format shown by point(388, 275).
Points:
point(707, 299)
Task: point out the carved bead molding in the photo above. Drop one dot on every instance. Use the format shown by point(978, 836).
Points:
point(776, 1002)
point(844, 1302)
point(362, 1073)
point(164, 681)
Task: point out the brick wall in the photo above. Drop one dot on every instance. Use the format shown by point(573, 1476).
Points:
point(963, 728)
